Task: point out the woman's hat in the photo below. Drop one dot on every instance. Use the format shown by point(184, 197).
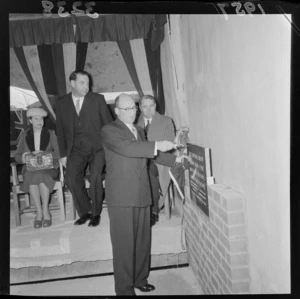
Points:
point(36, 112)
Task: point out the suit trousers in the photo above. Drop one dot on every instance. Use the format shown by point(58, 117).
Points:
point(155, 186)
point(76, 165)
point(130, 234)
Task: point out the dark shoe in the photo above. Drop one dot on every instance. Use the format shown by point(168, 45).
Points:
point(154, 219)
point(38, 223)
point(47, 223)
point(83, 219)
point(146, 288)
point(95, 221)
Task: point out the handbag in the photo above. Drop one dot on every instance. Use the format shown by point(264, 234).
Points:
point(40, 161)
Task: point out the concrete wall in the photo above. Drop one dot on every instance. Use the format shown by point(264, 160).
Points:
point(237, 84)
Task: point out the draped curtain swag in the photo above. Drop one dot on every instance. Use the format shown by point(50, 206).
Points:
point(141, 65)
point(125, 48)
point(41, 31)
point(112, 28)
point(49, 49)
point(104, 28)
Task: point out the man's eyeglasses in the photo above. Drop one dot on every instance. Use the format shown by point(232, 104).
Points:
point(129, 109)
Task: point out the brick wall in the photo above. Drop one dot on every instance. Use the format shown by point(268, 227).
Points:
point(217, 245)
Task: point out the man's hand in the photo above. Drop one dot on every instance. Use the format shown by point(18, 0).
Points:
point(181, 137)
point(63, 162)
point(165, 146)
point(181, 158)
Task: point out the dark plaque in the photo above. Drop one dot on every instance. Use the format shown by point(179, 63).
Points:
point(199, 170)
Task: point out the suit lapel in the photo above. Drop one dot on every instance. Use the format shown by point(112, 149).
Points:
point(85, 104)
point(126, 130)
point(69, 106)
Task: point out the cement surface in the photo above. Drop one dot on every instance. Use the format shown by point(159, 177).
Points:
point(175, 281)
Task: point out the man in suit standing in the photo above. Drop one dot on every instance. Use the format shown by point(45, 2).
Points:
point(157, 127)
point(80, 115)
point(128, 195)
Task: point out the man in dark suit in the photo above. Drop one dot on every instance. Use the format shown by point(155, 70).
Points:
point(157, 128)
point(128, 195)
point(80, 115)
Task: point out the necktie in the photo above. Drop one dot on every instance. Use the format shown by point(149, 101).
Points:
point(77, 106)
point(147, 127)
point(133, 129)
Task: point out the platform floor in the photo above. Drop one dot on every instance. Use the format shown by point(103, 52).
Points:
point(179, 281)
point(67, 251)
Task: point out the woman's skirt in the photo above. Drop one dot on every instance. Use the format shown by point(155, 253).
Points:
point(46, 176)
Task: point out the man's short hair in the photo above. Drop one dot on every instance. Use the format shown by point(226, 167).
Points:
point(74, 74)
point(147, 97)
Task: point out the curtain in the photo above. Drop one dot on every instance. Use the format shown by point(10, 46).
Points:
point(50, 53)
point(41, 31)
point(126, 52)
point(153, 58)
point(112, 27)
point(59, 70)
point(29, 60)
point(141, 65)
point(69, 50)
point(81, 51)
point(172, 63)
point(47, 68)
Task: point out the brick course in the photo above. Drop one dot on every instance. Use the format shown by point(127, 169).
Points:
point(217, 245)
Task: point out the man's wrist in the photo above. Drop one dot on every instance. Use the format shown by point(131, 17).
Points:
point(155, 148)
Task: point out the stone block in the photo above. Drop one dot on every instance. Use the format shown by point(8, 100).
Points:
point(238, 246)
point(221, 248)
point(239, 273)
point(232, 200)
point(235, 218)
point(235, 231)
point(216, 254)
point(240, 286)
point(225, 241)
point(238, 259)
point(219, 223)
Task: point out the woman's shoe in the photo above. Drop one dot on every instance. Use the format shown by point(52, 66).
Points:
point(37, 223)
point(47, 222)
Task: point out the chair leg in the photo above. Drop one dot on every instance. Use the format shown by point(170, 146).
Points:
point(167, 204)
point(60, 197)
point(73, 209)
point(27, 201)
point(16, 206)
point(172, 195)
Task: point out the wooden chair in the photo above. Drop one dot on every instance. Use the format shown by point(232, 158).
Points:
point(16, 179)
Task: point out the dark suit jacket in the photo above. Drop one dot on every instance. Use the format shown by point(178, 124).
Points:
point(94, 114)
point(127, 181)
point(161, 128)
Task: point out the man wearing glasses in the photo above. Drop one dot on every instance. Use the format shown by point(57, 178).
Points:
point(128, 195)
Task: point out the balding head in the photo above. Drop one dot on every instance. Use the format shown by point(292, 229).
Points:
point(125, 108)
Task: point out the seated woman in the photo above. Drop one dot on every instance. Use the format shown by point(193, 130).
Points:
point(39, 183)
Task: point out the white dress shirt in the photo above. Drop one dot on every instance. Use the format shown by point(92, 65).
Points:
point(146, 121)
point(75, 101)
point(37, 140)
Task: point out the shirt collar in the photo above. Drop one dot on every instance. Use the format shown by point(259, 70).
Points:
point(76, 98)
point(146, 120)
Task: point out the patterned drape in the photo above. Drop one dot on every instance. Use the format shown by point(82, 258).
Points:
point(49, 49)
